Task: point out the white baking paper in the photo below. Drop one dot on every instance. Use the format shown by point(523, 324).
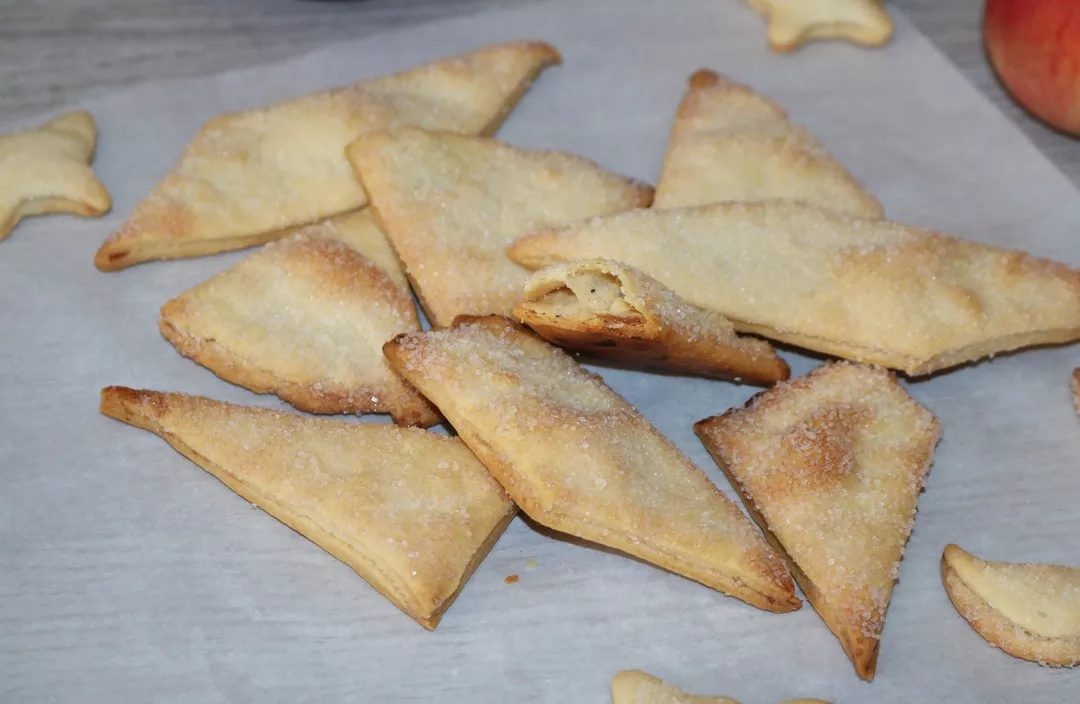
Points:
point(127, 574)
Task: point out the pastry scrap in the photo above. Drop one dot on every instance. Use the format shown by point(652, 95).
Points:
point(306, 318)
point(249, 176)
point(412, 512)
point(47, 170)
point(637, 687)
point(1076, 389)
point(731, 143)
point(451, 204)
point(831, 466)
point(579, 459)
point(1031, 611)
point(867, 290)
point(792, 23)
point(613, 311)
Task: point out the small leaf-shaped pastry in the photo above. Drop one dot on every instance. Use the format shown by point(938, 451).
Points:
point(637, 687)
point(577, 458)
point(306, 318)
point(611, 311)
point(795, 22)
point(248, 177)
point(731, 143)
point(831, 466)
point(47, 170)
point(451, 204)
point(1029, 610)
point(412, 512)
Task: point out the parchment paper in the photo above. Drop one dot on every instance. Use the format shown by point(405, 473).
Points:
point(129, 574)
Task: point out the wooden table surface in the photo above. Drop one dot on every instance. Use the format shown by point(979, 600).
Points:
point(54, 51)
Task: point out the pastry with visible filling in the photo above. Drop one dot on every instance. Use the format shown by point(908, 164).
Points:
point(451, 205)
point(612, 311)
point(871, 291)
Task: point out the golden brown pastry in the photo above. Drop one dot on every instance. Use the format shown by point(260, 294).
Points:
point(47, 170)
point(1031, 611)
point(359, 230)
point(412, 512)
point(249, 176)
point(831, 466)
point(576, 457)
point(451, 204)
point(306, 318)
point(792, 23)
point(611, 311)
point(732, 143)
point(867, 290)
point(637, 687)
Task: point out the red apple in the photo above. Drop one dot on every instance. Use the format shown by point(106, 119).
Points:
point(1034, 45)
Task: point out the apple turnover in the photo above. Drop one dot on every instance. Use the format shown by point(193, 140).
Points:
point(831, 466)
point(577, 458)
point(410, 511)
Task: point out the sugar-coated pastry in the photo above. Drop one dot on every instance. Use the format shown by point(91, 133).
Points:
point(412, 512)
point(731, 143)
point(249, 177)
point(306, 318)
point(1029, 610)
point(576, 457)
point(612, 311)
point(867, 290)
point(831, 466)
point(451, 204)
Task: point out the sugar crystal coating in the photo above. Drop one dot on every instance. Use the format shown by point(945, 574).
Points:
point(576, 457)
point(833, 463)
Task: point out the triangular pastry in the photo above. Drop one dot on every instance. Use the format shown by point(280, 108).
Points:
point(611, 311)
point(867, 290)
point(451, 204)
point(1029, 610)
point(249, 176)
point(576, 457)
point(792, 23)
point(47, 170)
point(359, 230)
point(831, 466)
point(637, 687)
point(731, 143)
point(306, 318)
point(412, 512)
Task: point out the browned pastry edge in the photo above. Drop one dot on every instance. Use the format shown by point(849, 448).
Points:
point(118, 402)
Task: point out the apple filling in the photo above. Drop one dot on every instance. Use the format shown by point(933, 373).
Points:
point(593, 293)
